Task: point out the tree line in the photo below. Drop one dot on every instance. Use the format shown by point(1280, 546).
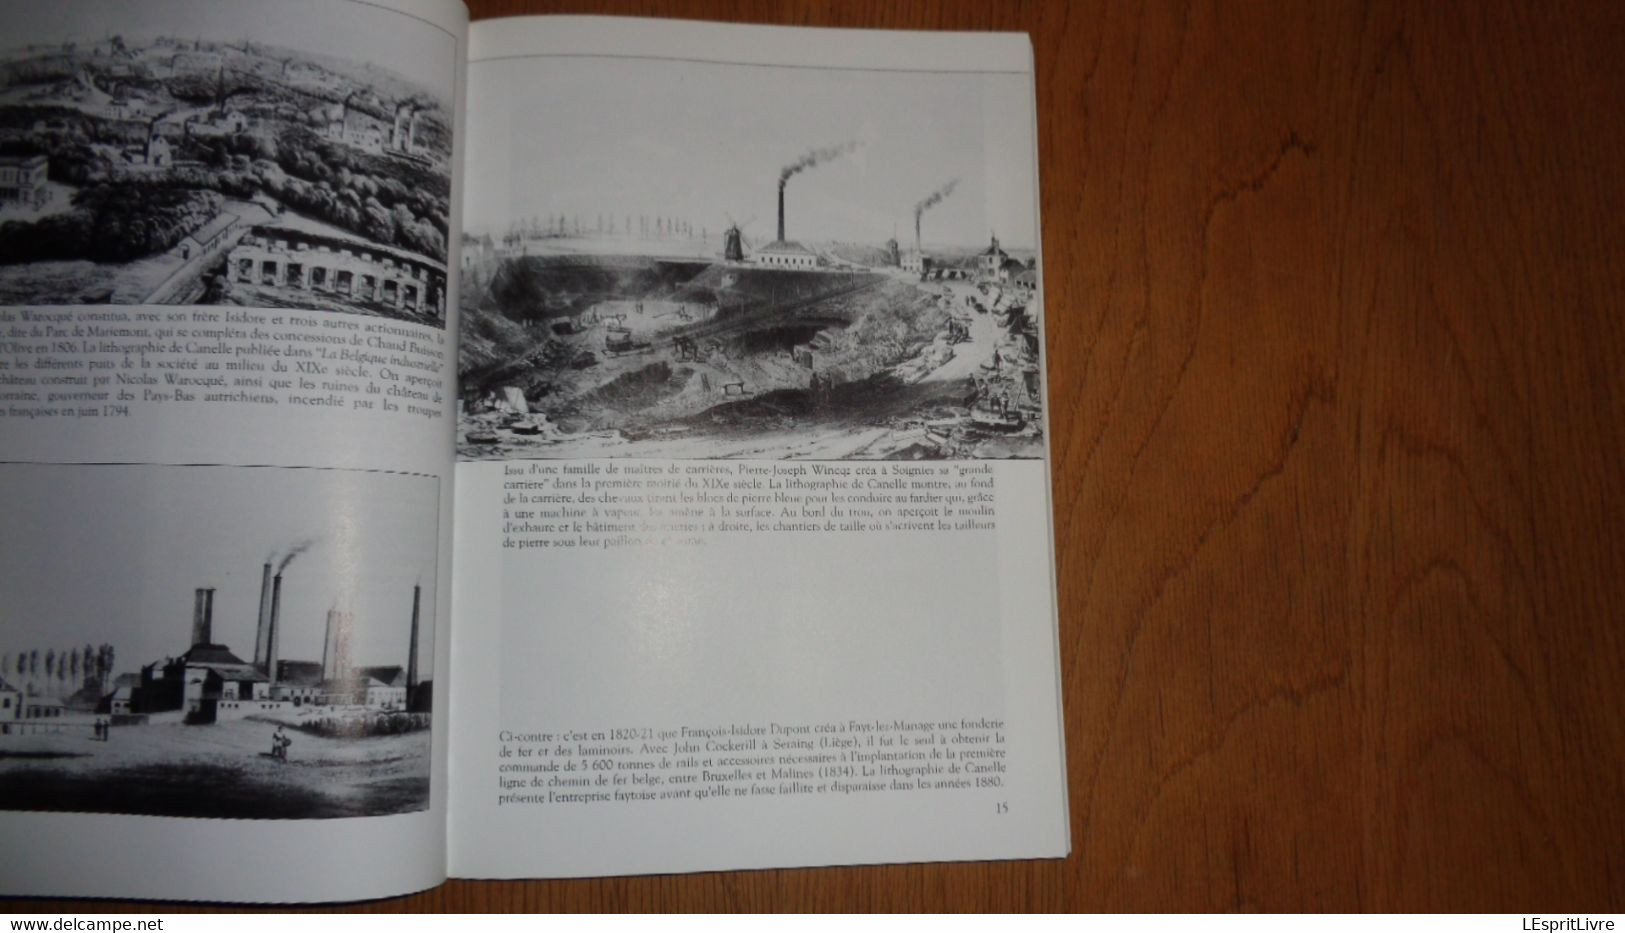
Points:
point(59, 673)
point(383, 199)
point(117, 222)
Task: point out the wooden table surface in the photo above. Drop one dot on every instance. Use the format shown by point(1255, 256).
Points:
point(1335, 331)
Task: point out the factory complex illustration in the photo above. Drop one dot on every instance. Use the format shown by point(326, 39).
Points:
point(661, 337)
point(208, 683)
point(289, 737)
point(175, 170)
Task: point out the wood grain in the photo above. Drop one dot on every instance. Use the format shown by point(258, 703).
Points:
point(1336, 337)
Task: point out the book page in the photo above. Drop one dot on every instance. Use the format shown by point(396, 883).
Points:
point(753, 535)
point(227, 238)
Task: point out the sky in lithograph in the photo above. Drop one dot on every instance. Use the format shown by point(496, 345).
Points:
point(704, 141)
point(345, 29)
point(113, 553)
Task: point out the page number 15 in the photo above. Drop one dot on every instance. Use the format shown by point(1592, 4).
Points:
point(1001, 808)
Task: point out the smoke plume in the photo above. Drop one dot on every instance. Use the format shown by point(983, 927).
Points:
point(817, 157)
point(293, 552)
point(934, 198)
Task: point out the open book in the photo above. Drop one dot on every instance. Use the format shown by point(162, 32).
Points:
point(530, 448)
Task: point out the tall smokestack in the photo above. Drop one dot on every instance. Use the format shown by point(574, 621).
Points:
point(200, 625)
point(916, 231)
point(327, 646)
point(412, 648)
point(336, 646)
point(262, 632)
point(272, 635)
point(811, 158)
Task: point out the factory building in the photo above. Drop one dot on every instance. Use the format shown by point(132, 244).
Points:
point(350, 122)
point(298, 682)
point(384, 687)
point(403, 136)
point(358, 121)
point(783, 254)
point(347, 269)
point(333, 681)
point(208, 683)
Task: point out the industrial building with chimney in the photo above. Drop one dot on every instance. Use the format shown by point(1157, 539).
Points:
point(783, 253)
point(208, 683)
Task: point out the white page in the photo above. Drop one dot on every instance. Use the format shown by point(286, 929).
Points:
point(199, 472)
point(614, 665)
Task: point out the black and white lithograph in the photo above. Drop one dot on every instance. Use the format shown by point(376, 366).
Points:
point(216, 642)
point(273, 155)
point(683, 258)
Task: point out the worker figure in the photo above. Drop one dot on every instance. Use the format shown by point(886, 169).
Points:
point(279, 744)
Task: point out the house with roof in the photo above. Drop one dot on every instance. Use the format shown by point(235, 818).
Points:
point(43, 707)
point(22, 180)
point(990, 262)
point(117, 700)
point(302, 683)
point(384, 686)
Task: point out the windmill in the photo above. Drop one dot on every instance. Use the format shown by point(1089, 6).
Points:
point(733, 240)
